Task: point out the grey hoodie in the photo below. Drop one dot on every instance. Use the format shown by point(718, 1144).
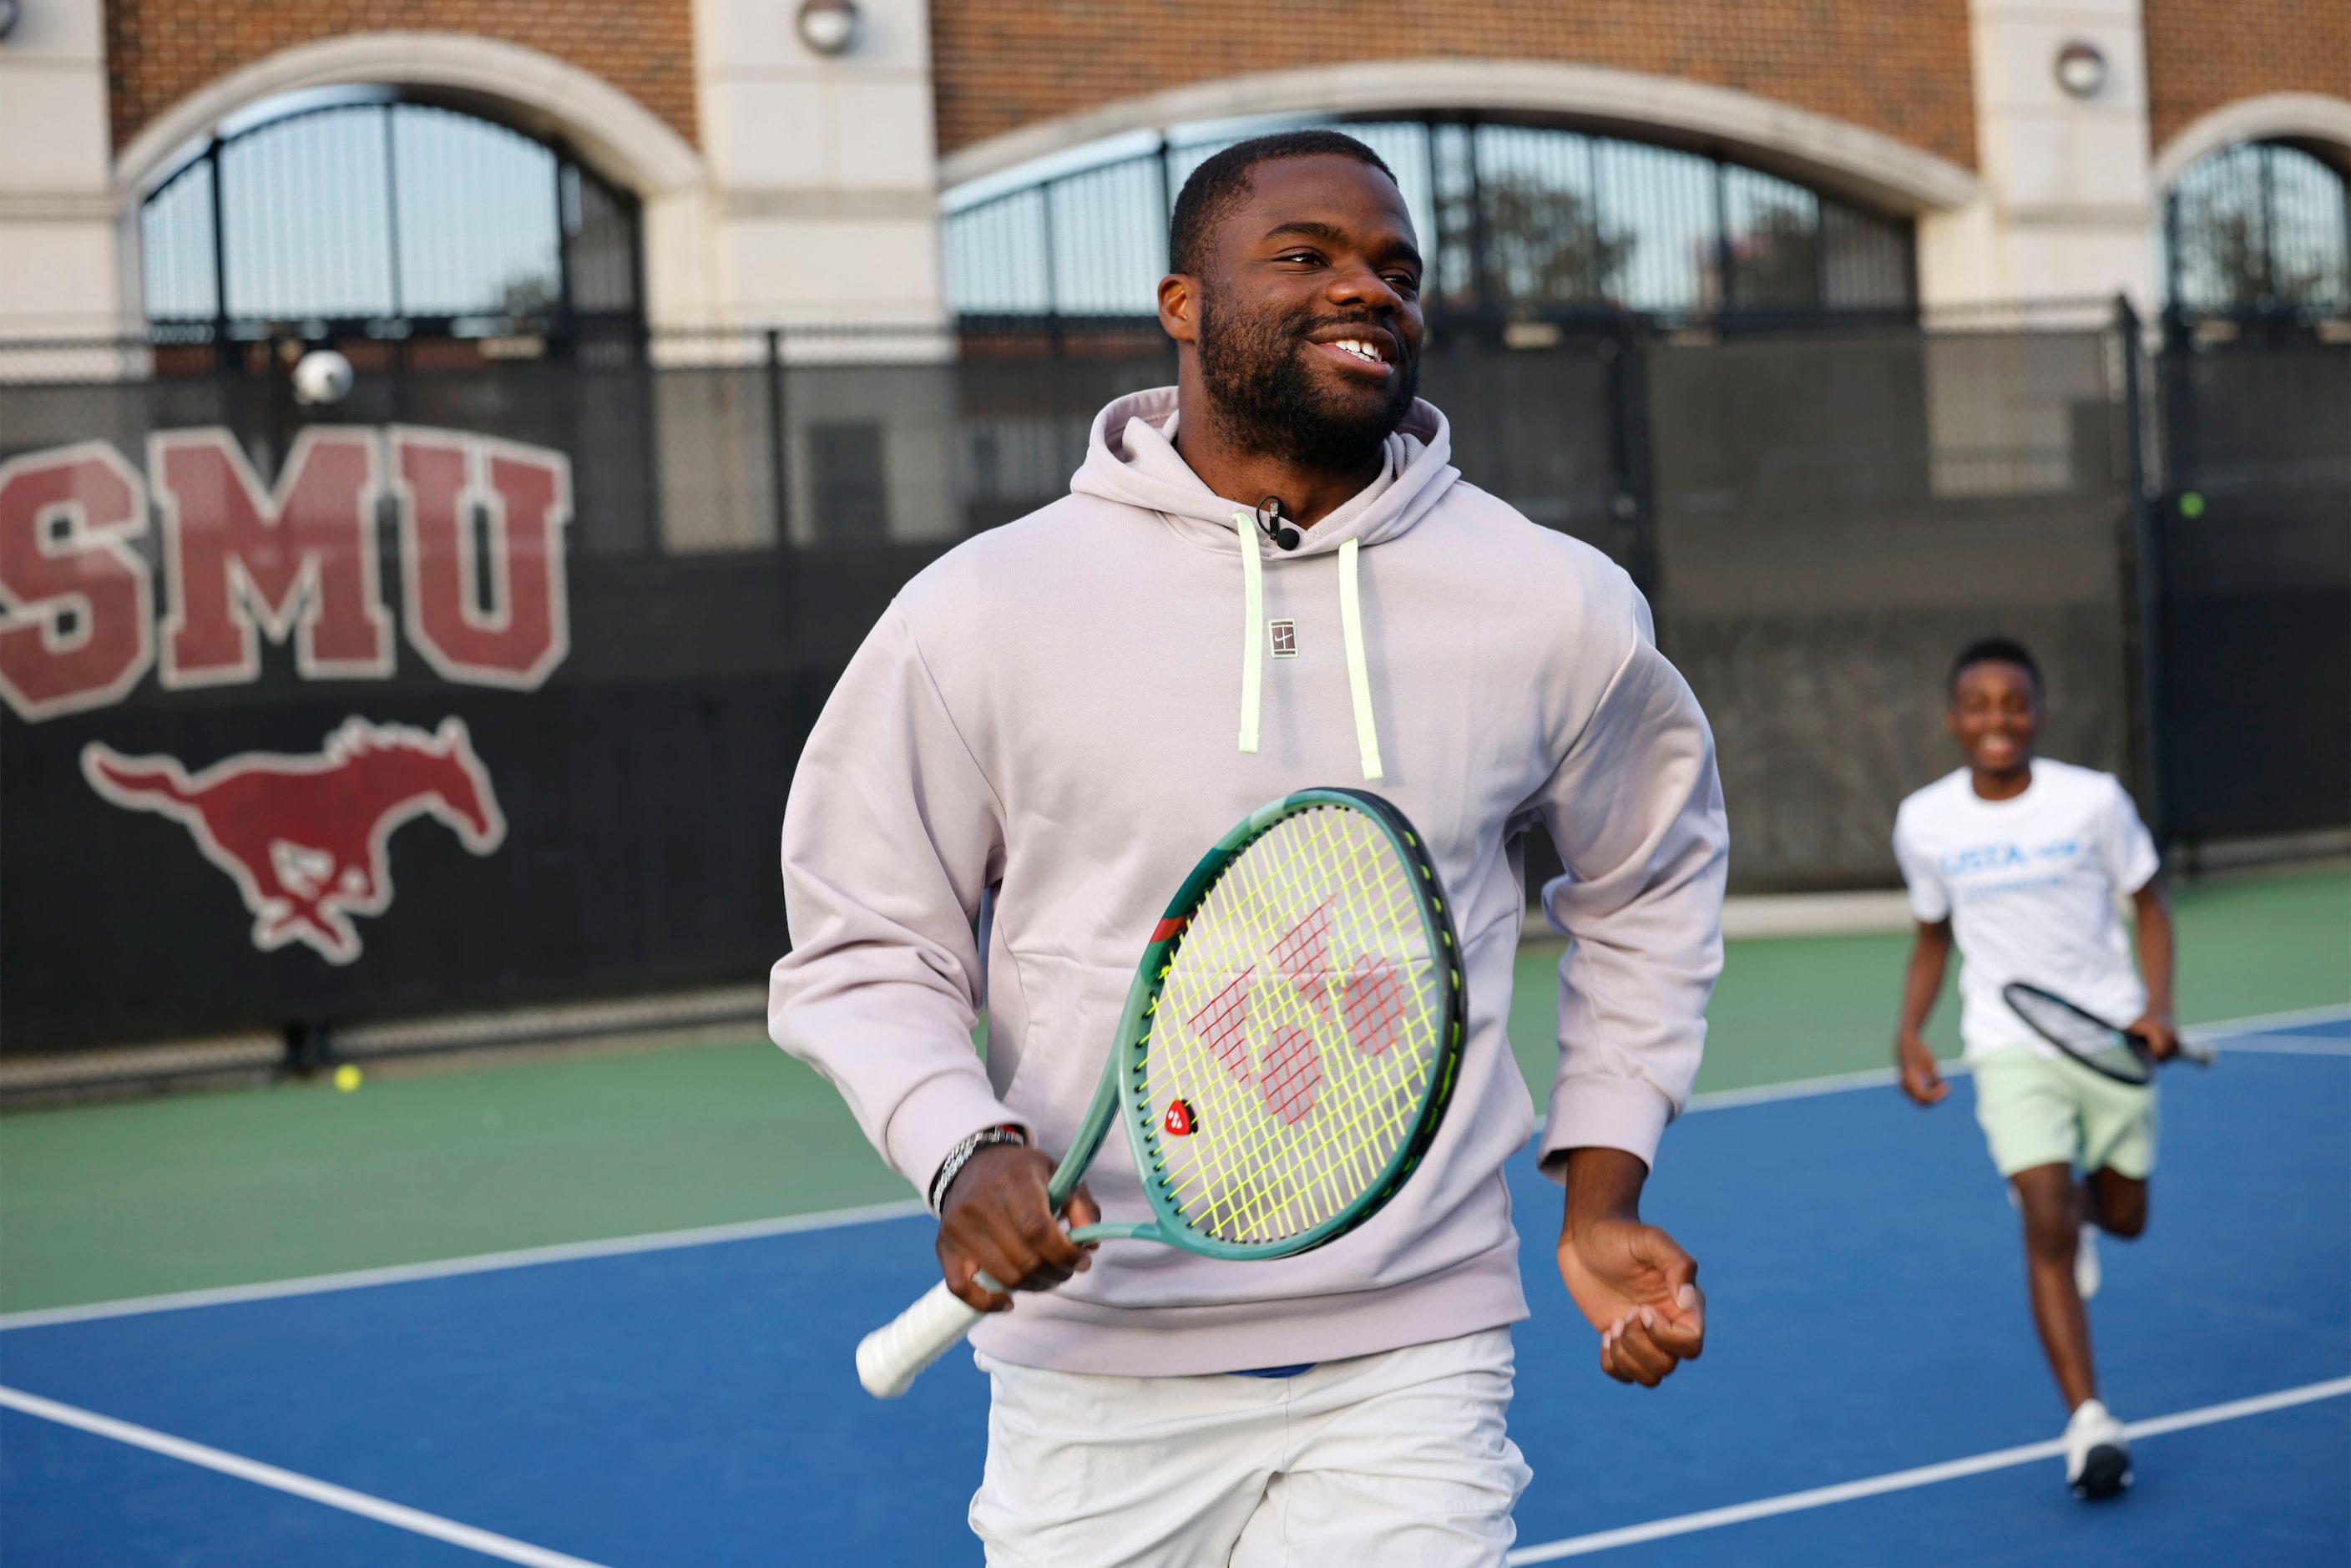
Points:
point(1049, 719)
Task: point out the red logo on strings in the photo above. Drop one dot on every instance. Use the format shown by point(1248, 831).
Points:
point(1179, 1120)
point(1369, 1013)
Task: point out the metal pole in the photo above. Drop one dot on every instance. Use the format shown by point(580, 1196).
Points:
point(1595, 234)
point(2267, 155)
point(1633, 503)
point(1482, 282)
point(1722, 238)
point(220, 261)
point(2171, 252)
point(569, 199)
point(1053, 277)
point(2143, 605)
point(778, 434)
point(1166, 198)
point(392, 211)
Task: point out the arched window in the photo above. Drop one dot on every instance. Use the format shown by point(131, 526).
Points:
point(1518, 221)
point(359, 212)
point(2263, 226)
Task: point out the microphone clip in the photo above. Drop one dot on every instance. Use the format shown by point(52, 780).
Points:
point(1283, 533)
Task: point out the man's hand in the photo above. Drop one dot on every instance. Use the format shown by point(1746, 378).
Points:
point(2162, 1036)
point(996, 1220)
point(1632, 1281)
point(1920, 1080)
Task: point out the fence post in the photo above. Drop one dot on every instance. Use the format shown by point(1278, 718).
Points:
point(2143, 597)
point(1628, 439)
point(778, 433)
point(308, 1048)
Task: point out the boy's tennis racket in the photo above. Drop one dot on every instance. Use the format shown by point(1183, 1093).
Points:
point(2102, 1047)
point(1286, 1054)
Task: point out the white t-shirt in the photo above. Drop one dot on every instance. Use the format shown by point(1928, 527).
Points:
point(2029, 886)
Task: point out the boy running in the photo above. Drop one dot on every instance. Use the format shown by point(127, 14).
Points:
point(2017, 860)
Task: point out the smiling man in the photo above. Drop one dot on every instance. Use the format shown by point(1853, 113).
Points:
point(1041, 735)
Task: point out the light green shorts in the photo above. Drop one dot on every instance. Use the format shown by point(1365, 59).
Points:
point(2036, 1110)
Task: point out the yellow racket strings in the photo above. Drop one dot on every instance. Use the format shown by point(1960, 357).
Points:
point(1298, 1025)
point(1357, 1117)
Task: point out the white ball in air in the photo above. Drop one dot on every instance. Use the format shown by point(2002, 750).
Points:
point(322, 376)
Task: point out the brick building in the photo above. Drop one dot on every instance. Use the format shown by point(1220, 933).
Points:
point(2019, 150)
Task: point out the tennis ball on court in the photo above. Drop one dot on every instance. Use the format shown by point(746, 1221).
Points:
point(347, 1077)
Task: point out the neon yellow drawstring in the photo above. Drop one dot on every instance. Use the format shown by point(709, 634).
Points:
point(1252, 611)
point(1359, 677)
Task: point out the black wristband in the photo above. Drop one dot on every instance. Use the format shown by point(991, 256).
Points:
point(960, 1156)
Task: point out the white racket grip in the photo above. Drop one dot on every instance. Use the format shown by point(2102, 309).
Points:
point(890, 1357)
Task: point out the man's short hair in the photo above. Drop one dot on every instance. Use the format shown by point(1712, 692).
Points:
point(1995, 651)
point(1222, 183)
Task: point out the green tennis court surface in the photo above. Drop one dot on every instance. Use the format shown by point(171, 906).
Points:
point(105, 1202)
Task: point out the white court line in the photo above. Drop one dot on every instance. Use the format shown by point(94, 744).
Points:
point(2261, 1021)
point(1903, 1480)
point(415, 1521)
point(2230, 1036)
point(480, 1263)
point(2253, 1045)
point(663, 1240)
point(1805, 1088)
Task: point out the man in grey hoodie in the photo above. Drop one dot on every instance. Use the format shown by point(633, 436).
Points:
point(1035, 742)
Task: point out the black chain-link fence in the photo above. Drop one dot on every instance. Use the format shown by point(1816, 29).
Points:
point(2251, 529)
point(1821, 519)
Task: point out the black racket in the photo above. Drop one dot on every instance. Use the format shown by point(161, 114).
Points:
point(2106, 1049)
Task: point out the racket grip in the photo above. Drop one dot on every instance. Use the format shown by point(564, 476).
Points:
point(890, 1357)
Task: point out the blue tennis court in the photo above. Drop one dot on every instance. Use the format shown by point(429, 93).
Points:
point(695, 1404)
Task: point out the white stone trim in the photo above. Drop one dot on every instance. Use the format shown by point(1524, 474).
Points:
point(1834, 155)
point(621, 138)
point(2312, 116)
point(822, 204)
point(56, 207)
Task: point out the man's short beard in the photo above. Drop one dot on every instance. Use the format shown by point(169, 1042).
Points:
point(1255, 372)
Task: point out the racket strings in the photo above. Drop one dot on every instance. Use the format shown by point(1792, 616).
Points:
point(1331, 1174)
point(2060, 1022)
point(1299, 1021)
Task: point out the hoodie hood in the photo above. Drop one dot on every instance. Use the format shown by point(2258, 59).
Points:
point(1131, 458)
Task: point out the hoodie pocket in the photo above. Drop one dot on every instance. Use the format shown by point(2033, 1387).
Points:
point(1060, 1030)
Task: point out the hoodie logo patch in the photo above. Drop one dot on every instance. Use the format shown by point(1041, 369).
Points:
point(1284, 634)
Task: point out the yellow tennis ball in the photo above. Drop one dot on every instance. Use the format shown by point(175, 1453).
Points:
point(347, 1077)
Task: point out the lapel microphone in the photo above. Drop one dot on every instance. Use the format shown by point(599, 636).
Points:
point(1270, 518)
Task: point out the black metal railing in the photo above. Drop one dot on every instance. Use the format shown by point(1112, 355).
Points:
point(1818, 517)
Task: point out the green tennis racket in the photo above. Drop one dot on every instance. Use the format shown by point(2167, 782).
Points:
point(1284, 1059)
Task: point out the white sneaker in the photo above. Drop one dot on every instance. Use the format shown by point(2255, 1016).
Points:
point(2087, 1276)
point(2097, 1454)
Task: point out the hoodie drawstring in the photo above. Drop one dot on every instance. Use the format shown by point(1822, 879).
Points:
point(1359, 675)
point(1252, 611)
point(1350, 619)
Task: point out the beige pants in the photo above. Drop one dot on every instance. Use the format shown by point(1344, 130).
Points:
point(1395, 1460)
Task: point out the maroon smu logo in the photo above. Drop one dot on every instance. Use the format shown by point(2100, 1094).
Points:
point(307, 839)
point(481, 535)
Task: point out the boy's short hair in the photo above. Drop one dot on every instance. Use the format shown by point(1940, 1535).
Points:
point(1222, 182)
point(1995, 651)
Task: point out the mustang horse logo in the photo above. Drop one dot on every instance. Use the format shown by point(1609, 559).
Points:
point(305, 838)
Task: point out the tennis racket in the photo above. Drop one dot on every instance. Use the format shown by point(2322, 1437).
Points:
point(1284, 1059)
point(2102, 1047)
